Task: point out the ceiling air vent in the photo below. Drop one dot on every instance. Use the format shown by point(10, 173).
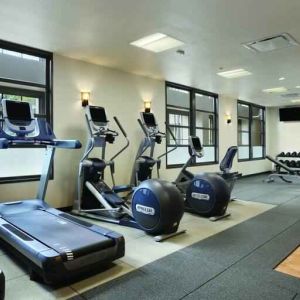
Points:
point(271, 43)
point(291, 95)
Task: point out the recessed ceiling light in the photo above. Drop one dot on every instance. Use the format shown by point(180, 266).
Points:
point(281, 78)
point(275, 90)
point(298, 87)
point(295, 100)
point(234, 73)
point(157, 42)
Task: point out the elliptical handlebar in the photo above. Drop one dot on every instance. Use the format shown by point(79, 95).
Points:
point(172, 134)
point(120, 127)
point(173, 137)
point(143, 127)
point(125, 135)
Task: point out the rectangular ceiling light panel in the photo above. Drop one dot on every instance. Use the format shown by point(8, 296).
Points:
point(271, 43)
point(157, 42)
point(280, 89)
point(234, 73)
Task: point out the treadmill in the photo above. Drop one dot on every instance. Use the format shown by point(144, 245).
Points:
point(56, 246)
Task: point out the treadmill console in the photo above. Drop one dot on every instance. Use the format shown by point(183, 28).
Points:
point(149, 119)
point(18, 117)
point(97, 117)
point(196, 146)
point(149, 122)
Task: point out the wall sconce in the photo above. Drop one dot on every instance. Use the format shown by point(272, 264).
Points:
point(228, 118)
point(147, 105)
point(85, 97)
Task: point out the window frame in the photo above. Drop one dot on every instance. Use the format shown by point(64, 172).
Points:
point(192, 120)
point(14, 86)
point(250, 119)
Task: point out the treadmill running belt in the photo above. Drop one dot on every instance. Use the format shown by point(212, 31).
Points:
point(59, 234)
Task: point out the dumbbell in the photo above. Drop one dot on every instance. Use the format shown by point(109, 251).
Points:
point(298, 154)
point(298, 164)
point(287, 163)
point(294, 154)
point(293, 164)
point(282, 154)
point(288, 154)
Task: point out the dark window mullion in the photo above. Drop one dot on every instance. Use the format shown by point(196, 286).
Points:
point(192, 113)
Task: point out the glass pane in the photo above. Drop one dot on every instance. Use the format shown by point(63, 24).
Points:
point(19, 66)
point(243, 124)
point(11, 97)
point(34, 103)
point(209, 155)
point(204, 102)
point(206, 120)
point(256, 139)
point(243, 110)
point(207, 137)
point(178, 156)
point(181, 135)
point(178, 97)
point(243, 152)
point(257, 152)
point(257, 126)
point(21, 162)
point(243, 138)
point(178, 117)
point(257, 113)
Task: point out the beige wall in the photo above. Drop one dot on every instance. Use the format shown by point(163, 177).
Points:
point(122, 94)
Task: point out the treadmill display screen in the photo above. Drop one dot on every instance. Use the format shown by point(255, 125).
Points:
point(98, 114)
point(196, 144)
point(149, 119)
point(18, 111)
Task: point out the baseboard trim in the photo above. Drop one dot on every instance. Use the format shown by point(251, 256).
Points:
point(255, 174)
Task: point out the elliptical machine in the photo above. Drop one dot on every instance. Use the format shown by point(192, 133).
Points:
point(205, 194)
point(156, 206)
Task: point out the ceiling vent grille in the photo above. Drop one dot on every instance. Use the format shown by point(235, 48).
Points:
point(272, 43)
point(291, 95)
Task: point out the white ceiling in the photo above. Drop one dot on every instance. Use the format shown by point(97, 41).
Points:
point(99, 31)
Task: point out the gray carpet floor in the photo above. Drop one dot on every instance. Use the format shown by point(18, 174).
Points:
point(235, 264)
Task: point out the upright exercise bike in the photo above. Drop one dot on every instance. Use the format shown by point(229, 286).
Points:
point(185, 176)
point(205, 194)
point(156, 206)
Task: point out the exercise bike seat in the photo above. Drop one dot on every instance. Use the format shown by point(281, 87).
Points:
point(226, 163)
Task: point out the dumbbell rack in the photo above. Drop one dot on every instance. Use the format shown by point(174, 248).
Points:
point(290, 158)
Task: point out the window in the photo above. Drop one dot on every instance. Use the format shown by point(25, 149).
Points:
point(251, 131)
point(191, 112)
point(25, 75)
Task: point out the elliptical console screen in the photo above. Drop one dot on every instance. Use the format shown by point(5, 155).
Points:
point(149, 119)
point(18, 111)
point(98, 114)
point(196, 144)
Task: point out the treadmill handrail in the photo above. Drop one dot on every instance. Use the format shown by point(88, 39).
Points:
point(66, 144)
